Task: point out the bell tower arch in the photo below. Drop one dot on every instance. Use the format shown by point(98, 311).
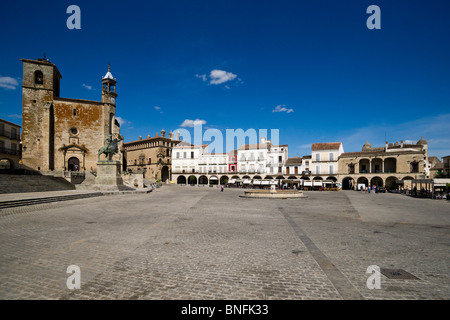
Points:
point(109, 94)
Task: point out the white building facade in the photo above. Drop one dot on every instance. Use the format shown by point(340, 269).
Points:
point(185, 157)
point(213, 163)
point(293, 167)
point(195, 165)
point(263, 158)
point(324, 158)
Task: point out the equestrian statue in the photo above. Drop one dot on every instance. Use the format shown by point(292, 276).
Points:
point(111, 148)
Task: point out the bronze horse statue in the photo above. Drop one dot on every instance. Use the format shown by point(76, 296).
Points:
point(111, 148)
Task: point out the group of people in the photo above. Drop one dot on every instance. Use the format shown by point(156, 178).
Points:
point(368, 189)
point(285, 186)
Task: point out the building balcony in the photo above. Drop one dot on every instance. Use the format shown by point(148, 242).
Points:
point(250, 172)
point(252, 159)
point(274, 164)
point(184, 171)
point(375, 171)
point(13, 152)
point(10, 135)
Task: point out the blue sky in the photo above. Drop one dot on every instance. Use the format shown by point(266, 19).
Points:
point(234, 64)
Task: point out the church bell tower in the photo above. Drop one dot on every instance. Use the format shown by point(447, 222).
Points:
point(109, 94)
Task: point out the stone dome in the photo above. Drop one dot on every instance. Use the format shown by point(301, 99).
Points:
point(367, 145)
point(422, 141)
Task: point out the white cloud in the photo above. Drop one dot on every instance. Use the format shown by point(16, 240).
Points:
point(122, 121)
point(202, 76)
point(218, 77)
point(15, 116)
point(8, 83)
point(157, 108)
point(87, 87)
point(282, 108)
point(221, 76)
point(191, 123)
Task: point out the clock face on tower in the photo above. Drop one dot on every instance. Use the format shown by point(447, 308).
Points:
point(113, 100)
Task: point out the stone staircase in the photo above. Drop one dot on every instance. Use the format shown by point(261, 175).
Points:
point(34, 201)
point(32, 183)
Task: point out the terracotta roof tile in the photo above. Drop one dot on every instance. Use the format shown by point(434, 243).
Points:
point(294, 160)
point(325, 146)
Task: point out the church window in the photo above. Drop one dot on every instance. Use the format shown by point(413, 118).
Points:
point(73, 131)
point(38, 77)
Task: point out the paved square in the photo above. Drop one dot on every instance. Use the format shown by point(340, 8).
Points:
point(182, 242)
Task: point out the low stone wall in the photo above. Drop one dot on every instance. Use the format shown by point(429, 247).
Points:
point(133, 180)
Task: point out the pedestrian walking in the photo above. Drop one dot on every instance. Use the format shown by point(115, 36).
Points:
point(221, 188)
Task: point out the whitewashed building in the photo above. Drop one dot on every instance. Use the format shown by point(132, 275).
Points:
point(324, 158)
point(185, 157)
point(263, 158)
point(293, 167)
point(213, 163)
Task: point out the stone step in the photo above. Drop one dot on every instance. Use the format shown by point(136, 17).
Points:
point(34, 201)
point(32, 183)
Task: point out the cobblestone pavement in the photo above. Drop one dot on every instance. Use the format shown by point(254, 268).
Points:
point(200, 243)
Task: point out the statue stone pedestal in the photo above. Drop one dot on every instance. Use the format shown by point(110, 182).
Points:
point(108, 175)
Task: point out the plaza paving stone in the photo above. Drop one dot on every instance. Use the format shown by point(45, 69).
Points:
point(182, 242)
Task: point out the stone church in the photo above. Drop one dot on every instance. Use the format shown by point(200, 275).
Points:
point(63, 134)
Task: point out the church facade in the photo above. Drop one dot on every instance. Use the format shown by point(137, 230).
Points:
point(63, 134)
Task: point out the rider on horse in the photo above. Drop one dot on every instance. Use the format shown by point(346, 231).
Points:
point(111, 148)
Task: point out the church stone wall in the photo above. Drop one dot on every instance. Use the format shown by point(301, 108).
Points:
point(56, 129)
